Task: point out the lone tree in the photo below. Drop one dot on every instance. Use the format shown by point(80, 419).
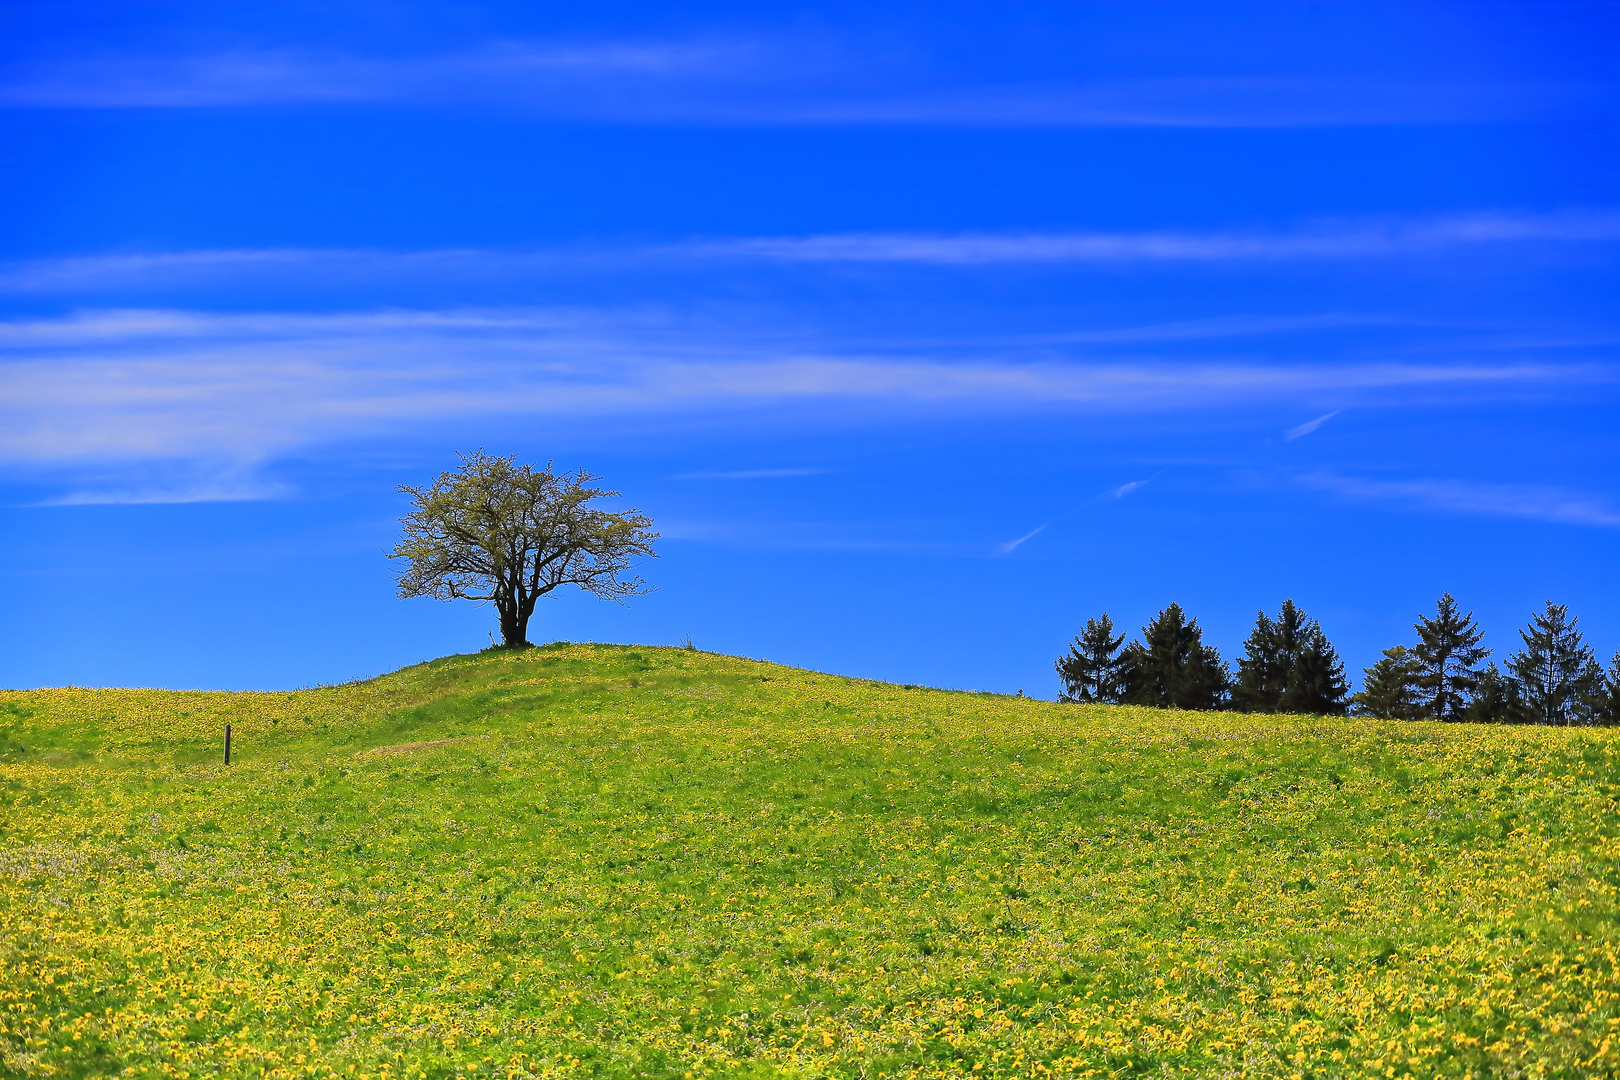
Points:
point(1091, 669)
point(507, 533)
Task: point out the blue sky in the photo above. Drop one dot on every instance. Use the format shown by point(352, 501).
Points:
point(923, 332)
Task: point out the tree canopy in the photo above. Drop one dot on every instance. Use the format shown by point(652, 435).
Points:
point(496, 531)
point(1497, 699)
point(1171, 665)
point(1389, 689)
point(1092, 669)
point(1602, 698)
point(1556, 669)
point(1289, 666)
point(1448, 654)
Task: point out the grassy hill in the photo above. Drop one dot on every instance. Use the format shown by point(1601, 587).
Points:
point(594, 860)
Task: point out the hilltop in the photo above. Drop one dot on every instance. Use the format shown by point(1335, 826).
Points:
point(616, 861)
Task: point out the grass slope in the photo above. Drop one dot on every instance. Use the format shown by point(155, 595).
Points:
point(594, 860)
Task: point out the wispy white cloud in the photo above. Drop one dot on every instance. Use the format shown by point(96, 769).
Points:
point(139, 327)
point(1349, 239)
point(534, 74)
point(1125, 489)
point(758, 79)
point(195, 479)
point(171, 269)
point(1309, 426)
point(1231, 326)
point(1012, 545)
point(1333, 240)
point(150, 386)
point(206, 489)
point(1538, 502)
point(1217, 102)
point(1112, 494)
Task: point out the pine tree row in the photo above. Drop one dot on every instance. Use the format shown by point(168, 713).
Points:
point(1554, 678)
point(1288, 666)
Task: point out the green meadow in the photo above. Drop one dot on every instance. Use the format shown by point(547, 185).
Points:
point(585, 860)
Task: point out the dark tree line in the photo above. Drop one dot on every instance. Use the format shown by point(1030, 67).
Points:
point(1553, 678)
point(1289, 666)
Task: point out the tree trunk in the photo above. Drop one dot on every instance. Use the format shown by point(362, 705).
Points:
point(514, 625)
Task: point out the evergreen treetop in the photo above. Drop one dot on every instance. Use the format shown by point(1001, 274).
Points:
point(1603, 694)
point(1448, 654)
point(1268, 656)
point(1390, 689)
point(1289, 666)
point(1092, 668)
point(1316, 683)
point(1172, 667)
point(1555, 668)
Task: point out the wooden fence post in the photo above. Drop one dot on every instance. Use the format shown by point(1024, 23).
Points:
point(227, 744)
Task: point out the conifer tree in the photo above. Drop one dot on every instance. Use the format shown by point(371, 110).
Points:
point(1289, 666)
point(1316, 684)
point(1172, 667)
point(1448, 656)
point(1389, 690)
point(1554, 667)
point(1603, 694)
point(1268, 655)
point(1092, 667)
point(1496, 699)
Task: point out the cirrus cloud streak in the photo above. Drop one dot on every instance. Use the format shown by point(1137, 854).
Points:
point(759, 79)
point(167, 384)
point(1309, 241)
point(1475, 497)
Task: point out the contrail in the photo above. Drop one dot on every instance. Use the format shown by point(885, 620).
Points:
point(1112, 493)
point(1309, 426)
point(1007, 548)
